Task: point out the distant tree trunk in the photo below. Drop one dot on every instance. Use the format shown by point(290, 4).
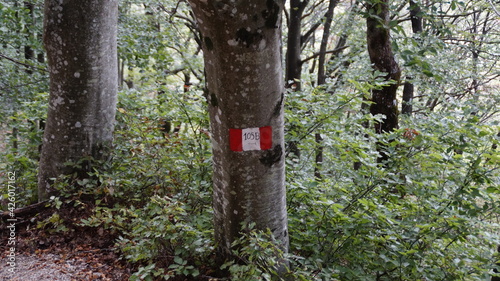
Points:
point(322, 80)
point(382, 58)
point(339, 48)
point(496, 278)
point(80, 40)
point(408, 94)
point(479, 30)
point(187, 81)
point(416, 17)
point(241, 46)
point(293, 69)
point(409, 88)
point(29, 53)
point(324, 42)
point(319, 156)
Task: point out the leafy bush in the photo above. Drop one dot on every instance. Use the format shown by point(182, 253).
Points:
point(22, 140)
point(429, 213)
point(157, 190)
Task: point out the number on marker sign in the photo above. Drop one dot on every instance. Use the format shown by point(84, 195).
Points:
point(251, 139)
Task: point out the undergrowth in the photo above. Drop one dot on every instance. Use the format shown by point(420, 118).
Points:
point(430, 213)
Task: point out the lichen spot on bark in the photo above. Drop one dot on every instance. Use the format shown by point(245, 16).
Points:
point(58, 101)
point(262, 44)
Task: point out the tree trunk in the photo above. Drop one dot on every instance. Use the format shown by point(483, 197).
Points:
point(382, 58)
point(293, 62)
point(408, 94)
point(322, 80)
point(80, 40)
point(496, 278)
point(29, 53)
point(416, 17)
point(324, 42)
point(242, 53)
point(293, 69)
point(409, 88)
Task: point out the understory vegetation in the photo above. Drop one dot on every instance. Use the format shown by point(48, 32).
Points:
point(430, 212)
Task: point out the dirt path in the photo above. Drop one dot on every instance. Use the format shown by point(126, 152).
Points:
point(40, 269)
point(56, 267)
point(73, 255)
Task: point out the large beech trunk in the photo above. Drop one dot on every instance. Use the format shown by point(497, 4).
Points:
point(80, 40)
point(242, 52)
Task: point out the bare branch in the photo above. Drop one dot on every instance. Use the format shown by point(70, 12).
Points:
point(23, 64)
point(315, 55)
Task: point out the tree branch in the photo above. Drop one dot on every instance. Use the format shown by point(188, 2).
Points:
point(315, 55)
point(23, 64)
point(26, 211)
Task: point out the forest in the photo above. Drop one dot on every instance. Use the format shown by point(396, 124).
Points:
point(255, 140)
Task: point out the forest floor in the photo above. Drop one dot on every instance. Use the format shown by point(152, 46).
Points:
point(42, 254)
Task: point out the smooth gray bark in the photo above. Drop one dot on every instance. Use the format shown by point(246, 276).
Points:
point(80, 40)
point(242, 52)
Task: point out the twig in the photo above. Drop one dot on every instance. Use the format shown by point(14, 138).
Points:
point(25, 211)
point(338, 50)
point(23, 64)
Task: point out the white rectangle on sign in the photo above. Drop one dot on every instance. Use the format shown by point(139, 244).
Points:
point(250, 139)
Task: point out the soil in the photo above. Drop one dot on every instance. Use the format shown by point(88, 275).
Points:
point(43, 254)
